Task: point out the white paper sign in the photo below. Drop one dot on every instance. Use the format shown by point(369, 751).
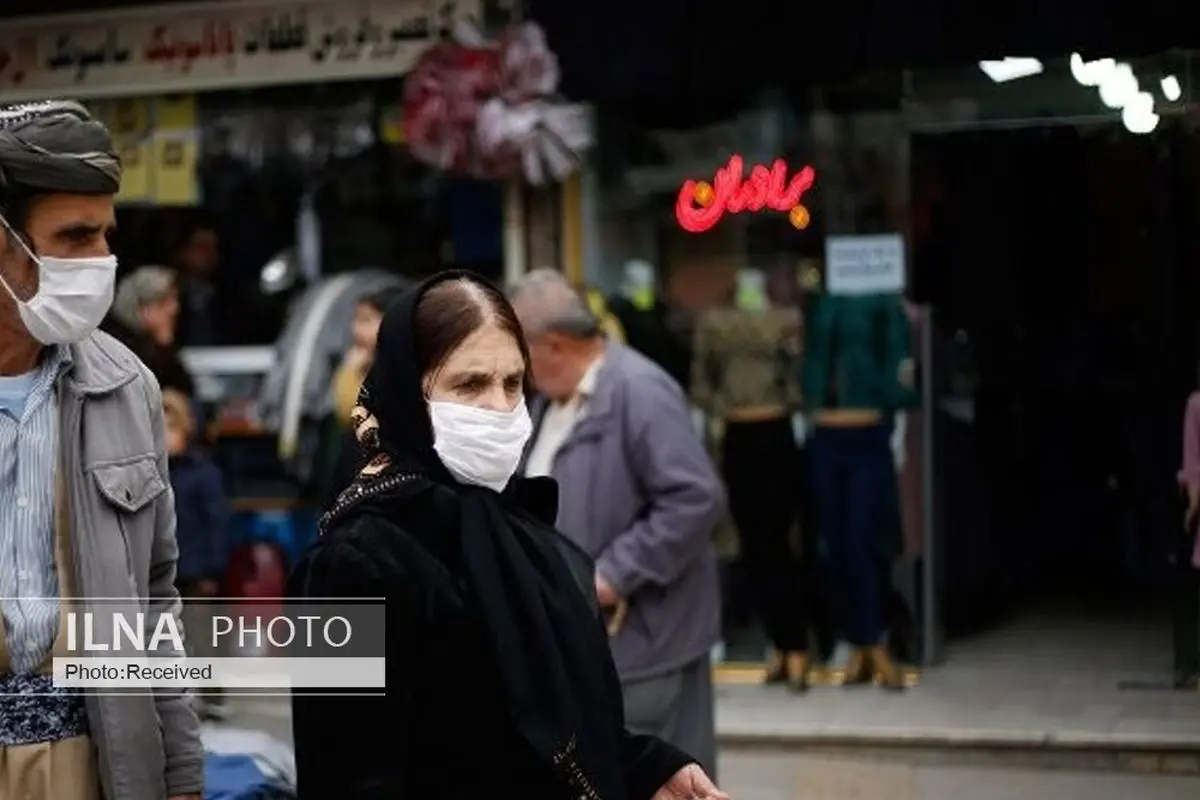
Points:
point(856, 265)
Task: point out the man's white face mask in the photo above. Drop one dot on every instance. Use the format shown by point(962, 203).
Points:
point(72, 298)
point(479, 446)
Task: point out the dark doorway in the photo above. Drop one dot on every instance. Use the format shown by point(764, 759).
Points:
point(1060, 277)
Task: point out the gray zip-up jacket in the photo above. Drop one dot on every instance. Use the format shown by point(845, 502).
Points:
point(122, 517)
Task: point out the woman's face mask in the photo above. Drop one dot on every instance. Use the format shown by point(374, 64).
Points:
point(480, 446)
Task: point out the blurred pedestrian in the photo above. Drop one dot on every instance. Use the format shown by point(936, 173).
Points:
point(202, 530)
point(639, 495)
point(364, 333)
point(144, 316)
point(344, 457)
point(485, 608)
point(83, 478)
point(204, 314)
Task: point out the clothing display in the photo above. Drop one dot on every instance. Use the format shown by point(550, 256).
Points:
point(853, 479)
point(759, 463)
point(743, 359)
point(857, 373)
point(854, 349)
point(748, 358)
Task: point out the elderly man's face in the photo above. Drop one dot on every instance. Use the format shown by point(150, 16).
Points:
point(58, 225)
point(556, 372)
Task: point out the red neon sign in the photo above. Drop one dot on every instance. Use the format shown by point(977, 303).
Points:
point(701, 205)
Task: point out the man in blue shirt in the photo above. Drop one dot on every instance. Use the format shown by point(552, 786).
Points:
point(85, 508)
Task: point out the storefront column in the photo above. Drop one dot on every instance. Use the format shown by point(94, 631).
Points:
point(571, 227)
point(516, 257)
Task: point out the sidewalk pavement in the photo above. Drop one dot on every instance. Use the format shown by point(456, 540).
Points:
point(940, 712)
point(769, 774)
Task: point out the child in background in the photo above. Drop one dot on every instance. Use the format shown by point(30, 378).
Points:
point(201, 529)
point(342, 459)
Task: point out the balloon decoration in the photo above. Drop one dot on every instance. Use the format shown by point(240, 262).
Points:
point(489, 109)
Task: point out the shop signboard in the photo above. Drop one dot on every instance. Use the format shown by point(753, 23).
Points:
point(858, 265)
point(700, 205)
point(160, 50)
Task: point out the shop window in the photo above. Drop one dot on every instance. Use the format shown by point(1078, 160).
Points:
point(269, 156)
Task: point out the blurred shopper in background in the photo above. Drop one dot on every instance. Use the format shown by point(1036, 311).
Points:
point(485, 612)
point(639, 494)
point(201, 528)
point(364, 333)
point(144, 315)
point(344, 457)
point(196, 256)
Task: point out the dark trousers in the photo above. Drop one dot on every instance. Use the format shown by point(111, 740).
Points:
point(760, 462)
point(852, 478)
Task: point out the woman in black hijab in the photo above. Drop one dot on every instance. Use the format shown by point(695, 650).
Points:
point(499, 677)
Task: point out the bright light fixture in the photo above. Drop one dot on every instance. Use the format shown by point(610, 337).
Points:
point(1119, 87)
point(1091, 73)
point(1138, 114)
point(1171, 88)
point(1119, 90)
point(1010, 69)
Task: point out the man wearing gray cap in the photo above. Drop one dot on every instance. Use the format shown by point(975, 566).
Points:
point(85, 507)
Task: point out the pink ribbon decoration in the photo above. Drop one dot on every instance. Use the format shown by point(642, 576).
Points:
point(490, 110)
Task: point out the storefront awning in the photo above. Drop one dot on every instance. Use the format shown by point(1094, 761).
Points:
point(707, 54)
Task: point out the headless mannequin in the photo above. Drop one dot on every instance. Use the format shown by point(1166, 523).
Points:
point(857, 374)
point(744, 377)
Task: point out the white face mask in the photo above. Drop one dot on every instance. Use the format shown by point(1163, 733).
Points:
point(479, 446)
point(72, 298)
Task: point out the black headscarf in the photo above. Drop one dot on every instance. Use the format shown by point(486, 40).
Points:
point(547, 643)
point(56, 146)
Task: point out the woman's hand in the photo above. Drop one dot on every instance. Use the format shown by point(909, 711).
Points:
point(690, 783)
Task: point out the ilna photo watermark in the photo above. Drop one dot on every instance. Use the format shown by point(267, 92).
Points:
point(263, 645)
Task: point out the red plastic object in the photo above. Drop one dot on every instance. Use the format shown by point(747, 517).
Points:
point(255, 584)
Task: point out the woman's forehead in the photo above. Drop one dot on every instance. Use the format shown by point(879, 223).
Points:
point(487, 349)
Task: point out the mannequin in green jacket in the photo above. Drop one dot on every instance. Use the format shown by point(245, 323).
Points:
point(857, 373)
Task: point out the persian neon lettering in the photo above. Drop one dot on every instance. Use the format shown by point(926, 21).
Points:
point(701, 205)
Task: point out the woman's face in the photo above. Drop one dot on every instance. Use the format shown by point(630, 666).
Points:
point(158, 318)
point(485, 371)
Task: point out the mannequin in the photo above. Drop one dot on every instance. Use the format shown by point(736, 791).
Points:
point(745, 377)
point(857, 375)
point(644, 317)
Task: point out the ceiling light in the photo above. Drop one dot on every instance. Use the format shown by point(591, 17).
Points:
point(1011, 68)
point(1138, 114)
point(1090, 73)
point(1119, 86)
point(1171, 88)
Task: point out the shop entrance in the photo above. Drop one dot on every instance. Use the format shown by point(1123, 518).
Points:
point(1059, 264)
